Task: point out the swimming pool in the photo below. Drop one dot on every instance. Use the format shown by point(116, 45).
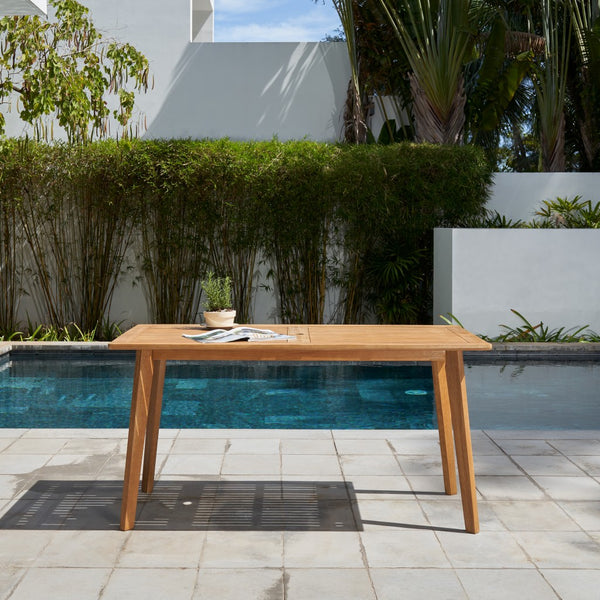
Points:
point(90, 390)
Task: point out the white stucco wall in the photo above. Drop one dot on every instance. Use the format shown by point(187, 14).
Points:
point(519, 195)
point(239, 90)
point(547, 275)
point(251, 91)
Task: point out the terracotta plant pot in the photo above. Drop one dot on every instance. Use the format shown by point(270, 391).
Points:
point(219, 318)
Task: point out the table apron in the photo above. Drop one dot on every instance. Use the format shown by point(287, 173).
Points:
point(299, 354)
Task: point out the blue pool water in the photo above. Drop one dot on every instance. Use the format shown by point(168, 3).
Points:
point(87, 390)
point(54, 392)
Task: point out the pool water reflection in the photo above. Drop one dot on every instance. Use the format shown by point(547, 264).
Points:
point(88, 390)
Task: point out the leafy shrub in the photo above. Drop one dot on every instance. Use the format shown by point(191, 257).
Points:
point(72, 221)
point(322, 218)
point(389, 199)
point(560, 213)
point(165, 181)
point(527, 332)
point(565, 213)
point(493, 220)
point(297, 224)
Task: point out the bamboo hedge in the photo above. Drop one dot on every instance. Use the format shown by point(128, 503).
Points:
point(344, 231)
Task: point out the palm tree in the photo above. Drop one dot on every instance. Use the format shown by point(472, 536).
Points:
point(355, 126)
point(550, 82)
point(496, 97)
point(437, 39)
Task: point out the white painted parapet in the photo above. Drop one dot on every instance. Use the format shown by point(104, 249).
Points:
point(549, 275)
point(520, 195)
point(23, 7)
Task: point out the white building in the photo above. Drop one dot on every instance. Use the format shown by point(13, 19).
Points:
point(23, 7)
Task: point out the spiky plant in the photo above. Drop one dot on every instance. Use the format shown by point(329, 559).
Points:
point(437, 39)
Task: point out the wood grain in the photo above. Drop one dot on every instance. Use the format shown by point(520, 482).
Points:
point(138, 421)
point(444, 419)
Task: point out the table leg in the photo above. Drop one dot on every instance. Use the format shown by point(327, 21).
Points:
point(462, 438)
point(158, 381)
point(444, 419)
point(140, 399)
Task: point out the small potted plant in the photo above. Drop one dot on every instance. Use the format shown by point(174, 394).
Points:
point(218, 311)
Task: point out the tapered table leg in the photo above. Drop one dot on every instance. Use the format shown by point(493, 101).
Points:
point(444, 419)
point(138, 420)
point(462, 438)
point(158, 382)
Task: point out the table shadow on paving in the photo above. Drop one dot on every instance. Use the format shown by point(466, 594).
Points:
point(189, 506)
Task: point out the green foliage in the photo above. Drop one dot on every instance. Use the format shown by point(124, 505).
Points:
point(166, 181)
point(390, 133)
point(495, 90)
point(11, 256)
point(297, 221)
point(529, 333)
point(584, 82)
point(63, 67)
point(50, 333)
point(235, 175)
point(382, 65)
point(217, 291)
point(560, 213)
point(349, 223)
point(569, 213)
point(437, 39)
point(493, 220)
point(388, 200)
point(550, 81)
point(72, 222)
point(451, 319)
point(530, 69)
point(71, 332)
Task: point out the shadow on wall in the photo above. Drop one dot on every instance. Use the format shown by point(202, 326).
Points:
point(248, 91)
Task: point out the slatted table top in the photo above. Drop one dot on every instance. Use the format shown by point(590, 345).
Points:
point(312, 342)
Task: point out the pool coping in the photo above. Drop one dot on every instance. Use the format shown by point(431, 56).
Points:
point(542, 351)
point(7, 347)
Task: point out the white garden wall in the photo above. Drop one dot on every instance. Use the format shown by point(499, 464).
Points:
point(547, 275)
point(519, 195)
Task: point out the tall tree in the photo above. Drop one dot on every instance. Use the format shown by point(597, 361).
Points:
point(550, 82)
point(498, 97)
point(584, 78)
point(65, 68)
point(354, 116)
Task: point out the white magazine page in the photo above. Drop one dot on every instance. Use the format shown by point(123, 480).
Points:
point(222, 336)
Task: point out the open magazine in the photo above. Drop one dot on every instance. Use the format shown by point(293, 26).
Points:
point(251, 334)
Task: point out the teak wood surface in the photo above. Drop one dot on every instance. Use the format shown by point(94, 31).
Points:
point(442, 345)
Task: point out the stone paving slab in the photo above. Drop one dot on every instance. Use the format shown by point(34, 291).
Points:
point(538, 494)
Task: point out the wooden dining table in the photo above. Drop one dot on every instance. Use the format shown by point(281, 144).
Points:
point(440, 345)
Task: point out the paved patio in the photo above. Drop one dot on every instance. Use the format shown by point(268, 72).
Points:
point(299, 515)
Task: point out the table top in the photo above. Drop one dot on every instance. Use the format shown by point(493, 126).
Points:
point(312, 342)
